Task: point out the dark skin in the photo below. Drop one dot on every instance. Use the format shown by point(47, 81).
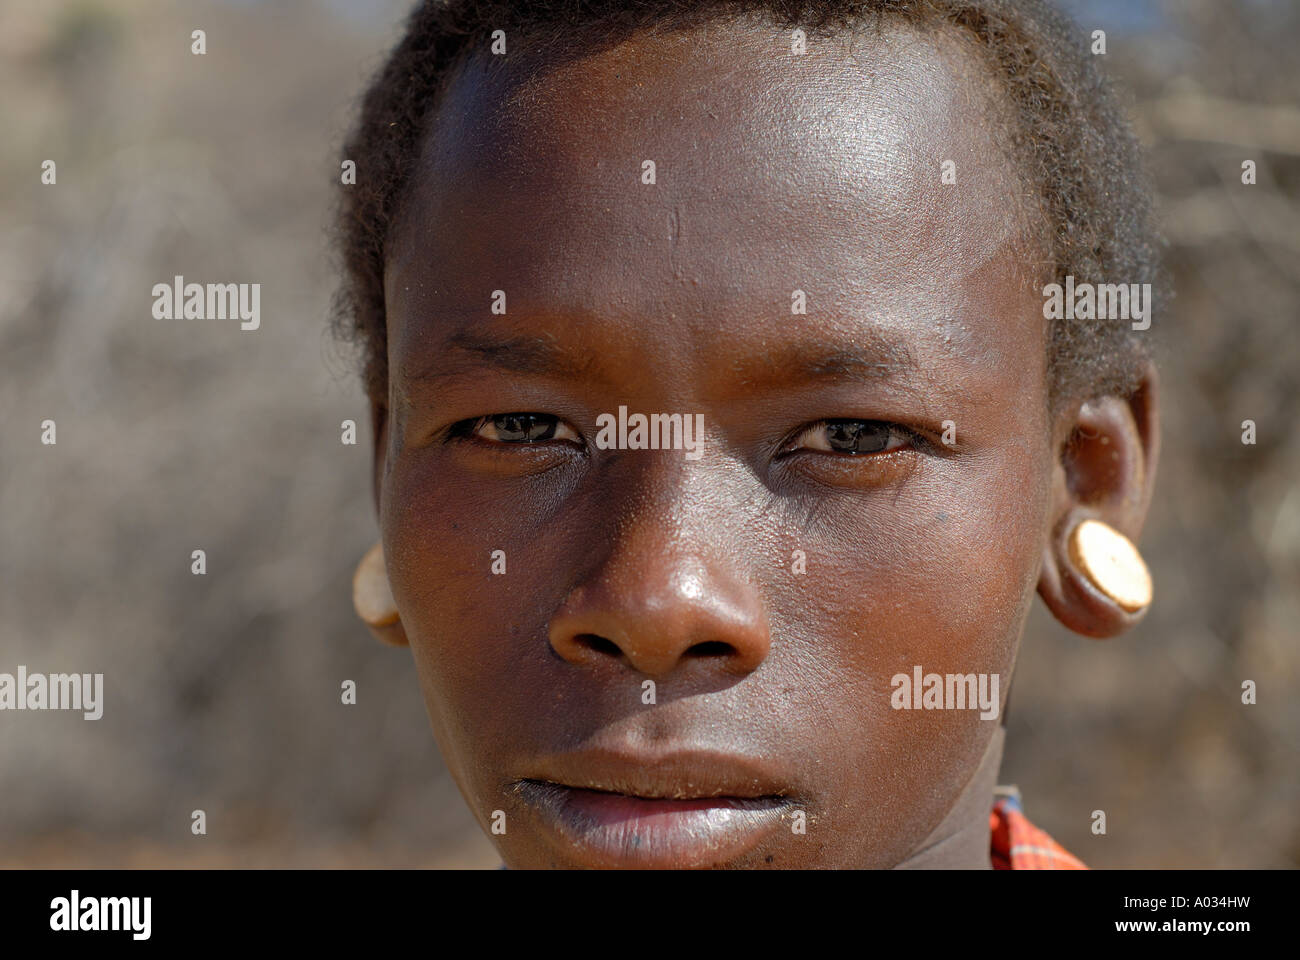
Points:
point(774, 173)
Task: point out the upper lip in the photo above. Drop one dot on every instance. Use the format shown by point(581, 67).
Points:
point(674, 775)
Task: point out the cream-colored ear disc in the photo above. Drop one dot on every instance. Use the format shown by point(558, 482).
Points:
point(372, 597)
point(1112, 564)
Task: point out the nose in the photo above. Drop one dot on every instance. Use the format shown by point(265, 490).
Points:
point(666, 593)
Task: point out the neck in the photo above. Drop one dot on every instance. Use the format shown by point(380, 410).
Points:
point(961, 840)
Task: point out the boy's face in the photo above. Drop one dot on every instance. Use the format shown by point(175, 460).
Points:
point(772, 587)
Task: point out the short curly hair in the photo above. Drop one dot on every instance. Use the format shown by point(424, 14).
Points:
point(1072, 136)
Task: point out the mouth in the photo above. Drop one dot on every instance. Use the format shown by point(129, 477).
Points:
point(673, 812)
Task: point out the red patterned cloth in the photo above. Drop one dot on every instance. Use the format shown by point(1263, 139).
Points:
point(1019, 845)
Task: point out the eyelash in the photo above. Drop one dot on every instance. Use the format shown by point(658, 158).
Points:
point(467, 431)
point(907, 438)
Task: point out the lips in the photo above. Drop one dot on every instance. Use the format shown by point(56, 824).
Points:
point(681, 810)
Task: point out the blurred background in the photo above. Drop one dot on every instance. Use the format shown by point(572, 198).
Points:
point(223, 691)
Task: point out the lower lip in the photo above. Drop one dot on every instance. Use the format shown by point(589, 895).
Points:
point(617, 830)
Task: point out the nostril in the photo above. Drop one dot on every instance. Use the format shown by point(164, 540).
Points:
point(598, 644)
point(711, 648)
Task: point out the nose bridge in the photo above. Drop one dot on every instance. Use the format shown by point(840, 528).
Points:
point(676, 533)
point(671, 584)
point(657, 514)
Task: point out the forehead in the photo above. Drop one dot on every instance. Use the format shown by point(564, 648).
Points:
point(773, 172)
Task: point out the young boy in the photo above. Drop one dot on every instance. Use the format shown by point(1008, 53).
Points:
point(724, 426)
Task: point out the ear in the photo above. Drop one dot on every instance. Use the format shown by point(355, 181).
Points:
point(372, 595)
point(372, 598)
point(1105, 470)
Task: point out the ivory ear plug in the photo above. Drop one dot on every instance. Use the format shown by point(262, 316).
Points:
point(372, 597)
point(1112, 564)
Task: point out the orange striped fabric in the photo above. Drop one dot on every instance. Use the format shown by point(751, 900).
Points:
point(1019, 845)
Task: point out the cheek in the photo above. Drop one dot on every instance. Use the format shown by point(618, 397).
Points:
point(474, 582)
point(941, 579)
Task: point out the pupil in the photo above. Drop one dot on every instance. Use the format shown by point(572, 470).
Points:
point(857, 436)
point(541, 428)
point(524, 427)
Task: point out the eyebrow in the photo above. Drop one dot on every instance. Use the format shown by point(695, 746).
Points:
point(537, 354)
point(873, 357)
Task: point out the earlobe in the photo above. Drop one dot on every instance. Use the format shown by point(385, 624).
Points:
point(372, 598)
point(1093, 579)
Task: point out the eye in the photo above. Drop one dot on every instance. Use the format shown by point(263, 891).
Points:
point(851, 437)
point(515, 428)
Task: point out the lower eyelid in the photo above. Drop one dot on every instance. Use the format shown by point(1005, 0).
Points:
point(849, 459)
point(847, 471)
point(529, 458)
